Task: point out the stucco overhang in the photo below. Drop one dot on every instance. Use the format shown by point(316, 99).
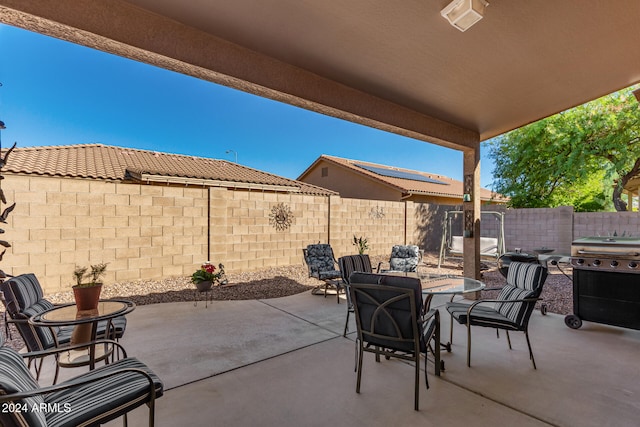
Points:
point(397, 66)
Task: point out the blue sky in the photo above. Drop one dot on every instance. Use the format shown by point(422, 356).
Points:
point(58, 93)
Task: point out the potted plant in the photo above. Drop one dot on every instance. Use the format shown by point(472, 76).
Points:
point(88, 285)
point(361, 243)
point(206, 276)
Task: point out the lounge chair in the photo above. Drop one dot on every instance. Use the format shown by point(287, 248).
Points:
point(322, 265)
point(404, 258)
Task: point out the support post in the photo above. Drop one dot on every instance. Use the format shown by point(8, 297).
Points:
point(471, 213)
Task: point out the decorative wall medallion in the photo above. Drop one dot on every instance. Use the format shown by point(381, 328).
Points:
point(376, 213)
point(468, 187)
point(281, 217)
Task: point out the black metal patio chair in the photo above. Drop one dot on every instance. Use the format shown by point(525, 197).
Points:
point(348, 265)
point(512, 308)
point(391, 323)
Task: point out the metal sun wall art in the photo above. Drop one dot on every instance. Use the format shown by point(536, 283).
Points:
point(281, 217)
point(376, 213)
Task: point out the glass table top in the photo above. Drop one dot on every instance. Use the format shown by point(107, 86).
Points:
point(69, 314)
point(449, 284)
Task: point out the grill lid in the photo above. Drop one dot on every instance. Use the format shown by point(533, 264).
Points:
point(621, 247)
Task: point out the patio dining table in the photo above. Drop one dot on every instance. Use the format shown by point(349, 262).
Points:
point(443, 284)
point(446, 284)
point(85, 323)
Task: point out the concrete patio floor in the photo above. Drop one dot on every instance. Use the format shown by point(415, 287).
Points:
point(284, 362)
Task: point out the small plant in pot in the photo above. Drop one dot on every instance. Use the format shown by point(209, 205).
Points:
point(361, 243)
point(206, 276)
point(88, 285)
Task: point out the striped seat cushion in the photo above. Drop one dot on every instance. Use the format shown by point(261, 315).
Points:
point(36, 338)
point(527, 276)
point(514, 311)
point(481, 315)
point(104, 399)
point(118, 325)
point(352, 263)
point(21, 292)
point(16, 378)
point(524, 281)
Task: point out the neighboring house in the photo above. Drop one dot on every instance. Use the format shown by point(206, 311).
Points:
point(364, 180)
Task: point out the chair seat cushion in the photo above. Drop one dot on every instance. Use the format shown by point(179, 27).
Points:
point(329, 274)
point(515, 312)
point(404, 258)
point(481, 315)
point(15, 378)
point(105, 399)
point(119, 324)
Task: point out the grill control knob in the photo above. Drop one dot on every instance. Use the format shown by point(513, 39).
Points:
point(633, 264)
point(596, 262)
point(614, 263)
point(579, 261)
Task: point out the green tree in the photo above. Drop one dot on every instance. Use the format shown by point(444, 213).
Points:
point(579, 157)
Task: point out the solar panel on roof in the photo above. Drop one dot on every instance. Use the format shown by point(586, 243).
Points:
point(399, 174)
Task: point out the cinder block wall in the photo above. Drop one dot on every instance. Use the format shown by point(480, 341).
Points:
point(160, 231)
point(243, 239)
point(546, 227)
point(141, 231)
point(382, 223)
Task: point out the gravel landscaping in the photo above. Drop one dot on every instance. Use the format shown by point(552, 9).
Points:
point(289, 280)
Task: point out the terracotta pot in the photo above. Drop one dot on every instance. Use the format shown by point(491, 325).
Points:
point(87, 297)
point(204, 286)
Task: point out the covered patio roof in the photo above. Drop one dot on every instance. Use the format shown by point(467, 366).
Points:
point(396, 66)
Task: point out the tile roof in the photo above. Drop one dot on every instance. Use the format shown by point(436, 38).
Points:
point(106, 162)
point(446, 188)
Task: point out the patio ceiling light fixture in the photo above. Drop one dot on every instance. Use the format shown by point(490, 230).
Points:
point(462, 14)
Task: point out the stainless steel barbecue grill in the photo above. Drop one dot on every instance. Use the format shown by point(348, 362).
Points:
point(606, 253)
point(606, 281)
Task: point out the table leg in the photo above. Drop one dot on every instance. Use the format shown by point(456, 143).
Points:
point(425, 309)
point(81, 333)
point(85, 333)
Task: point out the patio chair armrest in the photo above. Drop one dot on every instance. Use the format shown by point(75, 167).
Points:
point(56, 350)
point(492, 289)
point(12, 320)
point(379, 265)
point(425, 317)
point(78, 382)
